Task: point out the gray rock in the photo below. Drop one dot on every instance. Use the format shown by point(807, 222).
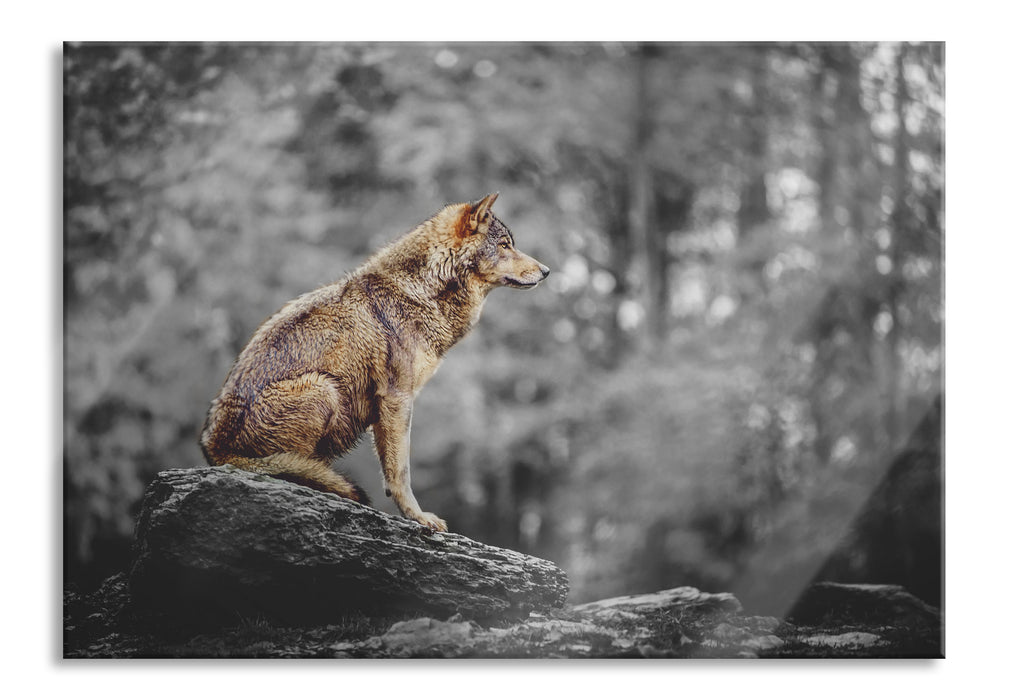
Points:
point(215, 541)
point(828, 602)
point(852, 640)
point(678, 623)
point(640, 626)
point(685, 598)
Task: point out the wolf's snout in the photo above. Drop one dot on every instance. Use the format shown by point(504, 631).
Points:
point(544, 270)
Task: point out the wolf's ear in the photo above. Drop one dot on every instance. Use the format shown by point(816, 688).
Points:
point(481, 210)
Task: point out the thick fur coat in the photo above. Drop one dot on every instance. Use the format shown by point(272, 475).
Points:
point(353, 355)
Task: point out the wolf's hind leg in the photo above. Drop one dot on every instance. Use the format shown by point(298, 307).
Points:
point(304, 471)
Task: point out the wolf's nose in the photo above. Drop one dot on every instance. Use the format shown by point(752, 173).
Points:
point(544, 270)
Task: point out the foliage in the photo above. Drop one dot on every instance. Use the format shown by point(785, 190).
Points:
point(777, 208)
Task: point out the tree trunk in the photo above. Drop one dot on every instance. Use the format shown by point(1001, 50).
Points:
point(824, 119)
point(649, 258)
point(753, 211)
point(898, 228)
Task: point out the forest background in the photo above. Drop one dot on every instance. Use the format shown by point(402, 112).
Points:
point(732, 378)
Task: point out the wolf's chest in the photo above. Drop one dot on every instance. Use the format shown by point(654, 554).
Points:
point(425, 366)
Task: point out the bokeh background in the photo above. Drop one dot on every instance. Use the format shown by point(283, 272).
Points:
point(732, 378)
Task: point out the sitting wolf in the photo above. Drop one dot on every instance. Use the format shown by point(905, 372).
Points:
point(353, 355)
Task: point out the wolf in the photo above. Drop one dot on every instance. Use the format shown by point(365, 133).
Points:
point(353, 355)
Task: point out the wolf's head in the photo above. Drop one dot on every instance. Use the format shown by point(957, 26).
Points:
point(489, 251)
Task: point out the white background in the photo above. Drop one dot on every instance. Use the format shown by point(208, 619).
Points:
point(31, 369)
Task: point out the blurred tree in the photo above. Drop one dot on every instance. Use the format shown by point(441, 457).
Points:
point(766, 218)
point(894, 286)
point(753, 210)
point(649, 259)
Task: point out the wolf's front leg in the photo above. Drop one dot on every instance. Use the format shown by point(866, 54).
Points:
point(392, 442)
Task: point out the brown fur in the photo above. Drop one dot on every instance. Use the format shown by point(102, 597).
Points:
point(353, 355)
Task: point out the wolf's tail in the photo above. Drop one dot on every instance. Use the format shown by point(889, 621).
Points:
point(301, 470)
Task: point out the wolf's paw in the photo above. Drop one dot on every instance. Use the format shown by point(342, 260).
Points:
point(432, 521)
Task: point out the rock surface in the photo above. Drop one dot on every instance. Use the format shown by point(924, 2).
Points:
point(869, 603)
point(216, 541)
point(230, 564)
point(677, 623)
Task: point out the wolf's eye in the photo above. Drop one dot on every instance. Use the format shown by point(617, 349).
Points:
point(504, 244)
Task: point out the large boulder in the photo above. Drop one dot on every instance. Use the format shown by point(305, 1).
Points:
point(676, 623)
point(229, 563)
point(213, 542)
point(828, 602)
